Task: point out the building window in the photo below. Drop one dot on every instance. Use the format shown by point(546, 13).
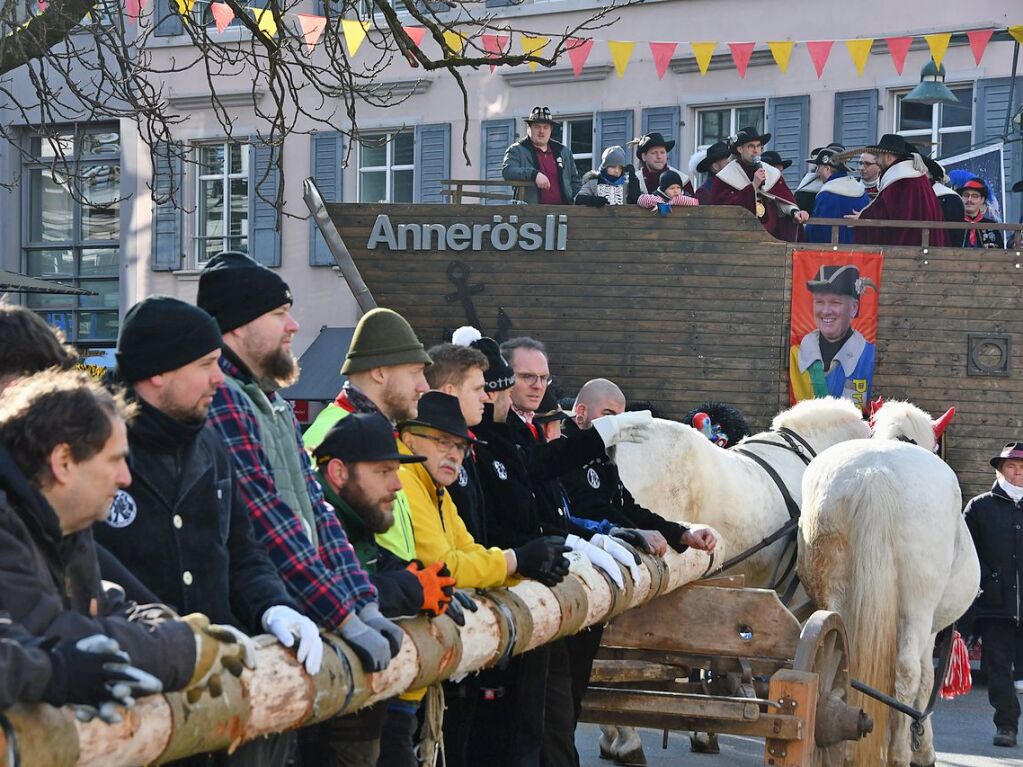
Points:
point(222, 198)
point(943, 130)
point(386, 167)
point(73, 230)
point(717, 123)
point(577, 134)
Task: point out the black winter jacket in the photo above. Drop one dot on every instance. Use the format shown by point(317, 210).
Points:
point(996, 524)
point(183, 528)
point(50, 585)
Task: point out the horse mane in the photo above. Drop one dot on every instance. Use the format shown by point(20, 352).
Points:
point(815, 416)
point(896, 419)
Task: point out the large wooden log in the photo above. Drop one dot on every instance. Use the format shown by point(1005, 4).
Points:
point(278, 695)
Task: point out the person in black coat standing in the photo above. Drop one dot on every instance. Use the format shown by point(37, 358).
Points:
point(995, 520)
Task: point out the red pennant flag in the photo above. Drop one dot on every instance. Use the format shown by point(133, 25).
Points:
point(898, 47)
point(578, 52)
point(312, 29)
point(223, 15)
point(979, 38)
point(133, 8)
point(416, 34)
point(495, 46)
point(741, 53)
point(662, 53)
point(819, 52)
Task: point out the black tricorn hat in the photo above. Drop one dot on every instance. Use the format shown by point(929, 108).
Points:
point(773, 158)
point(715, 152)
point(541, 115)
point(891, 143)
point(1018, 186)
point(1011, 450)
point(843, 280)
point(442, 412)
point(361, 437)
point(649, 141)
point(746, 135)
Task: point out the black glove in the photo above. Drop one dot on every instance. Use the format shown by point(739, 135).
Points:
point(458, 605)
point(94, 670)
point(592, 200)
point(543, 559)
point(633, 537)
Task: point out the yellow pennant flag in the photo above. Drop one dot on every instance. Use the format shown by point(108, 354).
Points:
point(621, 52)
point(703, 52)
point(782, 52)
point(938, 43)
point(355, 32)
point(533, 45)
point(455, 41)
point(859, 50)
point(1017, 33)
point(265, 21)
point(185, 8)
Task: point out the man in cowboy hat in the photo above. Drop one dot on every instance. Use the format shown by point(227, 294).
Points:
point(994, 520)
point(652, 153)
point(545, 162)
point(759, 188)
point(716, 156)
point(839, 194)
point(835, 359)
point(904, 194)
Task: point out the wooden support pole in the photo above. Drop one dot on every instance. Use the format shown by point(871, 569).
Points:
point(278, 695)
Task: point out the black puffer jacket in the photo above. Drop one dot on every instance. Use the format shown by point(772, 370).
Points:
point(996, 524)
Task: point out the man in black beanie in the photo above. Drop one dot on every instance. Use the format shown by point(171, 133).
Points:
point(183, 506)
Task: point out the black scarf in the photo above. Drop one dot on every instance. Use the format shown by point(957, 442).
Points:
point(830, 348)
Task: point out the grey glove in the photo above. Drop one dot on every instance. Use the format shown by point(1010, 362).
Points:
point(369, 645)
point(372, 617)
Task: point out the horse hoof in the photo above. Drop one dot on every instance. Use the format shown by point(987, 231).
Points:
point(634, 758)
point(699, 745)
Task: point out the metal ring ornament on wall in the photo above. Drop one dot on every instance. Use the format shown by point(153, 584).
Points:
point(977, 343)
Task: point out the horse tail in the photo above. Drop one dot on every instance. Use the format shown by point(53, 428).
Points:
point(871, 606)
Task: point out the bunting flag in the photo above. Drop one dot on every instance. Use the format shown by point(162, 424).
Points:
point(782, 52)
point(662, 53)
point(495, 46)
point(979, 38)
point(533, 45)
point(455, 41)
point(938, 43)
point(132, 8)
point(741, 53)
point(819, 51)
point(223, 15)
point(416, 35)
point(312, 28)
point(859, 51)
point(898, 47)
point(355, 32)
point(265, 21)
point(703, 53)
point(621, 52)
point(1017, 33)
point(578, 52)
point(185, 8)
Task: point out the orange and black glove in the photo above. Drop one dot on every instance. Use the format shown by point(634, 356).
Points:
point(437, 584)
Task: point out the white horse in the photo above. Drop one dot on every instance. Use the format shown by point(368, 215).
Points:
point(882, 541)
point(680, 474)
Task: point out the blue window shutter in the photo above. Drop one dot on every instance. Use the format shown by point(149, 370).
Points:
point(612, 128)
point(992, 97)
point(855, 118)
point(264, 221)
point(168, 188)
point(327, 151)
point(433, 161)
point(663, 120)
point(497, 136)
point(169, 20)
point(500, 3)
point(788, 122)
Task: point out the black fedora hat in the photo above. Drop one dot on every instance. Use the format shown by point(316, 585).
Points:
point(773, 158)
point(541, 115)
point(1018, 186)
point(442, 412)
point(715, 152)
point(821, 154)
point(651, 140)
point(891, 143)
point(746, 135)
point(1011, 450)
point(549, 409)
point(361, 437)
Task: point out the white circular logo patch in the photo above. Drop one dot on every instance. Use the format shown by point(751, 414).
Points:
point(463, 477)
point(593, 478)
point(123, 510)
point(502, 472)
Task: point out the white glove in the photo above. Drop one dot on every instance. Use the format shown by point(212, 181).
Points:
point(619, 552)
point(624, 427)
point(287, 624)
point(598, 558)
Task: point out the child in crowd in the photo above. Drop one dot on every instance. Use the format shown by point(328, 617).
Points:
point(669, 191)
point(611, 184)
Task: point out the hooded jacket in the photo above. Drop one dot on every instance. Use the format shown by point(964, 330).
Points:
point(996, 524)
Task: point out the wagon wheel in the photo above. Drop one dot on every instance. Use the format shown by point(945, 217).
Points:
point(824, 650)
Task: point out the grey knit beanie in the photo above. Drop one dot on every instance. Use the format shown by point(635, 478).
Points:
point(613, 155)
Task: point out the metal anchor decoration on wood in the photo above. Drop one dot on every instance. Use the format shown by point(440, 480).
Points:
point(458, 273)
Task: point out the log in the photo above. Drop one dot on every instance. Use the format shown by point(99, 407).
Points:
point(278, 695)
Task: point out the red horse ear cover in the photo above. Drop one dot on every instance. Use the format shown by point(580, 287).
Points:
point(875, 405)
point(942, 423)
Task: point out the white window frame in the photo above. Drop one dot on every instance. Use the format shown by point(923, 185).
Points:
point(934, 134)
point(225, 177)
point(388, 167)
point(366, 8)
point(733, 118)
point(566, 136)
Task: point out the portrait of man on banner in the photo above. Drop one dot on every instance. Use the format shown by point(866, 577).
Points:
point(834, 325)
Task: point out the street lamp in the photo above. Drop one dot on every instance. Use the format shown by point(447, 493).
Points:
point(932, 88)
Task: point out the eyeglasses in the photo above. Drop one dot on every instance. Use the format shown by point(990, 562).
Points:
point(532, 379)
point(446, 445)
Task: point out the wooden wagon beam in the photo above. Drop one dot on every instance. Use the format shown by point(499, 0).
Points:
point(278, 695)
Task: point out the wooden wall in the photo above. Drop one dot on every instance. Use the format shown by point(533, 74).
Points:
point(694, 306)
